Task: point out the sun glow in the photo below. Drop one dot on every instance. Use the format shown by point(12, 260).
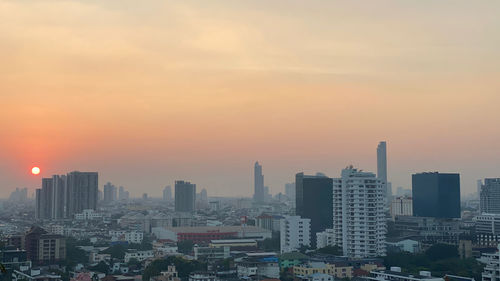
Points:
point(35, 170)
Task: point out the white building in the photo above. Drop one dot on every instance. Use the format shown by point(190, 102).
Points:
point(135, 237)
point(492, 269)
point(325, 238)
point(294, 233)
point(88, 214)
point(318, 277)
point(401, 206)
point(203, 276)
point(359, 224)
point(395, 274)
point(138, 255)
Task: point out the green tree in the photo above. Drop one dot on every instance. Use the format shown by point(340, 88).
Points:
point(331, 250)
point(183, 266)
point(116, 251)
point(441, 251)
point(74, 255)
point(101, 267)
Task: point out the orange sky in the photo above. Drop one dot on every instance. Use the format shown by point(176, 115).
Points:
point(146, 92)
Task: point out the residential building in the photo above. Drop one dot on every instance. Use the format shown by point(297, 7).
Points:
point(138, 255)
point(270, 222)
point(395, 274)
point(314, 201)
point(436, 195)
point(185, 196)
point(203, 276)
point(258, 265)
point(211, 253)
point(359, 214)
point(295, 232)
point(325, 238)
point(430, 230)
point(487, 229)
point(291, 259)
point(258, 195)
point(489, 197)
point(88, 214)
point(170, 274)
point(491, 271)
point(51, 248)
point(338, 270)
point(317, 277)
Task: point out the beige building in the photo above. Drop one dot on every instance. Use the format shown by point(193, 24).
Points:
point(51, 247)
point(336, 270)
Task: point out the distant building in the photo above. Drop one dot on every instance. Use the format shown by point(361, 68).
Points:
point(489, 197)
point(382, 169)
point(258, 195)
point(258, 265)
point(401, 206)
point(185, 196)
point(314, 201)
point(290, 191)
point(270, 222)
point(138, 255)
point(295, 232)
point(395, 274)
point(81, 192)
point(110, 193)
point(203, 276)
point(167, 193)
point(338, 270)
point(436, 195)
point(205, 234)
point(19, 195)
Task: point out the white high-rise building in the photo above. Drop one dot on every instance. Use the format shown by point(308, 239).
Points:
point(294, 233)
point(359, 223)
point(382, 170)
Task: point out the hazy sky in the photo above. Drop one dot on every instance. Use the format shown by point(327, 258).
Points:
point(146, 92)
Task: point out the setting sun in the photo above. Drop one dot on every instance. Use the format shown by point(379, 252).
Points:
point(35, 170)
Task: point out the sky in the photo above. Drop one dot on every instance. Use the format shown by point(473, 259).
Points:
point(148, 92)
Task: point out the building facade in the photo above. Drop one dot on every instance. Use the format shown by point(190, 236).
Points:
point(489, 196)
point(436, 195)
point(401, 206)
point(185, 196)
point(295, 232)
point(258, 193)
point(314, 201)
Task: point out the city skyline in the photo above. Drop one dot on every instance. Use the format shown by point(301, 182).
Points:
point(147, 94)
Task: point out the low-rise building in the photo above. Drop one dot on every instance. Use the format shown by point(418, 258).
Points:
point(210, 253)
point(261, 265)
point(395, 274)
point(339, 269)
point(205, 234)
point(295, 233)
point(138, 255)
point(88, 214)
point(203, 276)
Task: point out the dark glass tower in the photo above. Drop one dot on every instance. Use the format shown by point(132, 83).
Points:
point(314, 200)
point(185, 196)
point(436, 195)
point(258, 194)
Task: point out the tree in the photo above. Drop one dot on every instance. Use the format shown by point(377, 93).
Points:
point(441, 251)
point(74, 255)
point(270, 244)
point(183, 266)
point(116, 251)
point(185, 247)
point(331, 250)
point(134, 264)
point(101, 267)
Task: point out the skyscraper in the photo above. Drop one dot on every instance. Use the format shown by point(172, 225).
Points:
point(62, 196)
point(489, 196)
point(314, 200)
point(382, 169)
point(167, 193)
point(258, 195)
point(82, 192)
point(185, 196)
point(436, 195)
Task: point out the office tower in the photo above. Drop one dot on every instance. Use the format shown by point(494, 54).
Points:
point(382, 169)
point(81, 192)
point(258, 195)
point(401, 206)
point(295, 232)
point(358, 214)
point(314, 196)
point(489, 196)
point(436, 195)
point(167, 193)
point(43, 209)
point(185, 196)
point(109, 193)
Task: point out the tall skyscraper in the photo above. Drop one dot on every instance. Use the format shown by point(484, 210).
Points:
point(314, 200)
point(290, 191)
point(63, 196)
point(110, 193)
point(82, 192)
point(258, 195)
point(382, 169)
point(122, 194)
point(436, 195)
point(489, 196)
point(185, 196)
point(167, 193)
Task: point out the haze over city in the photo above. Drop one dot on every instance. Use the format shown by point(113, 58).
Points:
point(148, 92)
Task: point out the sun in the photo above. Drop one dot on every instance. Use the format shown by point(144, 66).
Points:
point(35, 170)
